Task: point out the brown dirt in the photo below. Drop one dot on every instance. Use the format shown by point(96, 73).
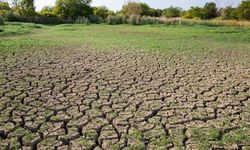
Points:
point(79, 99)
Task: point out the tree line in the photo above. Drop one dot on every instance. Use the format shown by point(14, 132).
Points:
point(71, 11)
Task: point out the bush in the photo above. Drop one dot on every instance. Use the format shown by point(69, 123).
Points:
point(172, 12)
point(114, 20)
point(1, 21)
point(10, 16)
point(134, 20)
point(80, 20)
point(95, 19)
point(87, 22)
point(151, 20)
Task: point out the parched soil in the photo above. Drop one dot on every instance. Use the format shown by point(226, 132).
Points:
point(84, 99)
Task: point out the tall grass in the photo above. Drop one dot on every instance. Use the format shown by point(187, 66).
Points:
point(135, 20)
point(114, 20)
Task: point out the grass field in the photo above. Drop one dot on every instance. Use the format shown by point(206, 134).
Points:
point(124, 87)
point(184, 40)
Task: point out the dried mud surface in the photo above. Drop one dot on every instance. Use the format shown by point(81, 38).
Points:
point(121, 100)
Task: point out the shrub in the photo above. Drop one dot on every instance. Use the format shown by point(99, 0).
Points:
point(80, 20)
point(1, 21)
point(134, 20)
point(113, 20)
point(87, 22)
point(10, 16)
point(172, 12)
point(150, 20)
point(95, 19)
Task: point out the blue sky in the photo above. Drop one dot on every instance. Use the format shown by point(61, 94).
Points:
point(117, 4)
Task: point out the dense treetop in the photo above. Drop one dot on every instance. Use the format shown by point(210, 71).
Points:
point(74, 9)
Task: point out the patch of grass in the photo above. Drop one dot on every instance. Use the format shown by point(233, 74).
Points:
point(214, 134)
point(15, 28)
point(86, 143)
point(90, 134)
point(204, 139)
point(239, 136)
point(161, 142)
point(136, 140)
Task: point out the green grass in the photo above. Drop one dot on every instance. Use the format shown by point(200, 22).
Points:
point(193, 41)
point(15, 28)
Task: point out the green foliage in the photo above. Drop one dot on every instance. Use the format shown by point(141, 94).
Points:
point(71, 9)
point(172, 12)
point(210, 11)
point(47, 11)
point(4, 8)
point(27, 7)
point(193, 12)
point(244, 10)
point(155, 12)
point(132, 8)
point(229, 13)
point(1, 21)
point(10, 16)
point(102, 12)
point(145, 9)
point(140, 9)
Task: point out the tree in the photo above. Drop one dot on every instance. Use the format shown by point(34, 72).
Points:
point(47, 11)
point(24, 7)
point(145, 9)
point(73, 8)
point(16, 5)
point(172, 12)
point(243, 10)
point(4, 8)
point(27, 8)
point(229, 13)
point(194, 12)
point(155, 12)
point(132, 8)
point(209, 11)
point(102, 12)
point(140, 9)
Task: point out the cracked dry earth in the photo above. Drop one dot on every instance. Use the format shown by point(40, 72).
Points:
point(79, 99)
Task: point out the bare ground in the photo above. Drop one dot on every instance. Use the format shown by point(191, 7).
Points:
point(120, 100)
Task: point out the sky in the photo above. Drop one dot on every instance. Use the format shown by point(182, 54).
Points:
point(117, 4)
